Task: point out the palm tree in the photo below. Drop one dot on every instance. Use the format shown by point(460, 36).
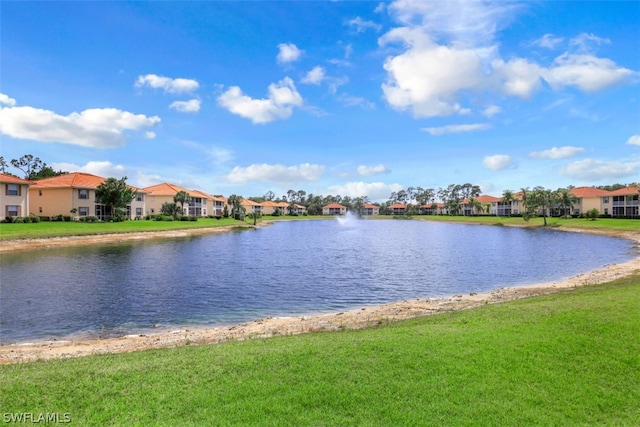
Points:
point(182, 197)
point(235, 202)
point(567, 200)
point(526, 214)
point(507, 199)
point(475, 205)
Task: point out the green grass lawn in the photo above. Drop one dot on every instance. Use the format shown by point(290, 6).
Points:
point(571, 358)
point(61, 229)
point(599, 224)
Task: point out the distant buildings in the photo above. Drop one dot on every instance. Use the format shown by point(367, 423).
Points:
point(73, 194)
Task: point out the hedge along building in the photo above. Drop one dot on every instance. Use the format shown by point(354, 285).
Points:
point(74, 194)
point(14, 196)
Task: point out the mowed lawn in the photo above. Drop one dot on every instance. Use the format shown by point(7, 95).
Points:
point(612, 224)
point(64, 229)
point(572, 358)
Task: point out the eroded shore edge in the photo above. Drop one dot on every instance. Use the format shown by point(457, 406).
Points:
point(279, 326)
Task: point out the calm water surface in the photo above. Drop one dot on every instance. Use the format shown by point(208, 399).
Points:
point(289, 268)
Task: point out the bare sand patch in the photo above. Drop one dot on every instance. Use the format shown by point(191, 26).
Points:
point(278, 326)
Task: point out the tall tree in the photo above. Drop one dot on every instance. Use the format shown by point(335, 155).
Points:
point(475, 205)
point(269, 195)
point(237, 211)
point(567, 200)
point(542, 200)
point(27, 164)
point(115, 194)
point(182, 197)
point(507, 199)
point(3, 165)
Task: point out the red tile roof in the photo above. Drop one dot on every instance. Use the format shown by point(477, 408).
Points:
point(371, 206)
point(627, 191)
point(70, 180)
point(14, 179)
point(485, 198)
point(398, 206)
point(588, 192)
point(166, 189)
point(334, 206)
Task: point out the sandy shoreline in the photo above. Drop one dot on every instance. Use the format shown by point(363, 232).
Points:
point(278, 326)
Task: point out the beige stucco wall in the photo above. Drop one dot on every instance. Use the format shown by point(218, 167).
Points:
point(589, 203)
point(22, 200)
point(55, 201)
point(154, 203)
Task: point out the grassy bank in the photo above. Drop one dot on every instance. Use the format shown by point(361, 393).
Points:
point(571, 358)
point(576, 223)
point(63, 229)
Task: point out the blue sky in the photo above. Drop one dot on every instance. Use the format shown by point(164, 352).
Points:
point(350, 98)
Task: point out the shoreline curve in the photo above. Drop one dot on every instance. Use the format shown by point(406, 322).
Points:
point(362, 318)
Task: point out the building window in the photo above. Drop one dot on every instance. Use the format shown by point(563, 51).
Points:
point(83, 194)
point(13, 190)
point(13, 210)
point(39, 192)
point(83, 211)
point(605, 200)
point(138, 211)
point(40, 209)
point(153, 210)
point(139, 197)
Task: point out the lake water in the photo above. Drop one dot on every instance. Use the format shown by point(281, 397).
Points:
point(289, 268)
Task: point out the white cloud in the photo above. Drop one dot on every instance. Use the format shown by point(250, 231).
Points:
point(361, 25)
point(557, 153)
point(548, 41)
point(96, 128)
point(427, 78)
point(191, 106)
point(283, 96)
point(167, 84)
point(276, 173)
point(455, 22)
point(449, 49)
point(6, 100)
point(315, 76)
point(150, 135)
point(587, 72)
point(104, 169)
point(288, 52)
point(376, 191)
point(355, 101)
point(492, 110)
point(372, 170)
point(592, 170)
point(436, 131)
point(634, 140)
point(518, 77)
point(144, 180)
point(498, 162)
point(584, 42)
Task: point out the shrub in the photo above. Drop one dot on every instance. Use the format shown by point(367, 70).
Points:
point(66, 218)
point(8, 219)
point(167, 218)
point(184, 218)
point(193, 218)
point(45, 218)
point(34, 218)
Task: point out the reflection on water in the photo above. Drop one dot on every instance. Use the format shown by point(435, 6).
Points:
point(286, 269)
